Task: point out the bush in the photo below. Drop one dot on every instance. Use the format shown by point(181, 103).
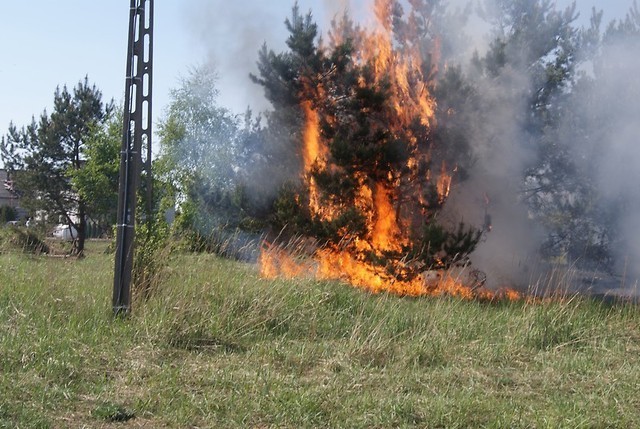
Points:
point(7, 214)
point(152, 251)
point(25, 240)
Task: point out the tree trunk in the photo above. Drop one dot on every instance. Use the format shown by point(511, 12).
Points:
point(82, 229)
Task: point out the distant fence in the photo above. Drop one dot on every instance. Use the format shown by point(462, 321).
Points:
point(97, 229)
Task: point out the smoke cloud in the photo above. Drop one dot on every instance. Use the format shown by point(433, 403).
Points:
point(232, 33)
point(491, 198)
point(600, 133)
point(605, 144)
point(610, 148)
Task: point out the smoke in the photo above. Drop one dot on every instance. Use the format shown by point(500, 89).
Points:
point(491, 198)
point(598, 134)
point(599, 130)
point(336, 7)
point(231, 33)
point(607, 111)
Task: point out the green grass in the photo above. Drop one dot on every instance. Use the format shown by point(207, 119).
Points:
point(216, 346)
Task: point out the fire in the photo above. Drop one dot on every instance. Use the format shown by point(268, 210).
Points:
point(393, 200)
point(404, 69)
point(312, 147)
point(313, 153)
point(386, 231)
point(444, 183)
point(275, 261)
point(331, 264)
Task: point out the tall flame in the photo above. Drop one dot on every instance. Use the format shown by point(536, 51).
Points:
point(312, 148)
point(386, 231)
point(374, 258)
point(313, 153)
point(443, 185)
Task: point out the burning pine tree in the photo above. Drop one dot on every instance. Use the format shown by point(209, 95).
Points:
point(374, 175)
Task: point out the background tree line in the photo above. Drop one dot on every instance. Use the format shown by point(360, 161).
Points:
point(223, 171)
point(64, 165)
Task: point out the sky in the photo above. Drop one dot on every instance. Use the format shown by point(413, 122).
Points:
point(45, 44)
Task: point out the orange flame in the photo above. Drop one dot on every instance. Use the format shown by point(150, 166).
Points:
point(312, 147)
point(311, 152)
point(386, 232)
point(404, 69)
point(275, 262)
point(333, 264)
point(374, 259)
point(444, 183)
point(314, 154)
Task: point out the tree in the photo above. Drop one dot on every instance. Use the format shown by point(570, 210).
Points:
point(207, 154)
point(596, 220)
point(578, 96)
point(524, 81)
point(357, 119)
point(7, 214)
point(97, 181)
point(534, 52)
point(44, 156)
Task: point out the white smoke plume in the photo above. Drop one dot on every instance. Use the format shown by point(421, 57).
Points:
point(232, 34)
point(491, 198)
point(609, 112)
point(600, 131)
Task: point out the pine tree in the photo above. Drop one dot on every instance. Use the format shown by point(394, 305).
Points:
point(377, 160)
point(44, 155)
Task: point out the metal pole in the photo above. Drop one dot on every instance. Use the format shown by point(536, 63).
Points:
point(136, 135)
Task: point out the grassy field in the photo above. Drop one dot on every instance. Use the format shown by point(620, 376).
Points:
point(216, 346)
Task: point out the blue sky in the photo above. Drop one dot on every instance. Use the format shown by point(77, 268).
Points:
point(45, 43)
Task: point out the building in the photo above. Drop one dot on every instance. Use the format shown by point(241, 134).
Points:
point(7, 196)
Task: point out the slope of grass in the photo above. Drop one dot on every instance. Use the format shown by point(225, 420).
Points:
point(216, 346)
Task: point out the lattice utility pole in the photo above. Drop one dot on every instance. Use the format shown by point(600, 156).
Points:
point(135, 155)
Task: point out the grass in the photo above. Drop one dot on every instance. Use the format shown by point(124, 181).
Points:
point(216, 346)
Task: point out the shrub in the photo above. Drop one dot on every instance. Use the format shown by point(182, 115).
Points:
point(25, 240)
point(7, 214)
